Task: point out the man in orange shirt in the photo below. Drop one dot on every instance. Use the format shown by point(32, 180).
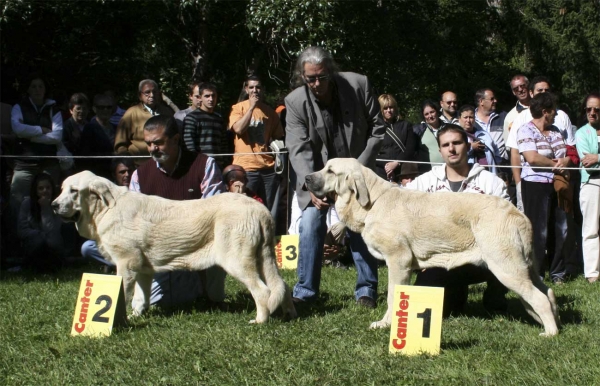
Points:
point(255, 125)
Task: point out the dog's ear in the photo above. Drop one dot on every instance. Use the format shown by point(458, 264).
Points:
point(356, 183)
point(103, 191)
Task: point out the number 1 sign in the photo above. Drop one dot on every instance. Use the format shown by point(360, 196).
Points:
point(416, 320)
point(100, 305)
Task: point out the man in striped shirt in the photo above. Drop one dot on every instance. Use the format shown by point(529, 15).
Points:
point(203, 129)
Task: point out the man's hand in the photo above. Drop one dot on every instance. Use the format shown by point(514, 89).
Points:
point(318, 203)
point(589, 159)
point(254, 99)
point(390, 167)
point(478, 146)
point(46, 130)
point(237, 187)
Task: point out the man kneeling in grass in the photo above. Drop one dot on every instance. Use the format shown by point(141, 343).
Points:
point(457, 175)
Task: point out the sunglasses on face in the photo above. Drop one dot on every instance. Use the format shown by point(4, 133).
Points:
point(519, 87)
point(313, 79)
point(589, 110)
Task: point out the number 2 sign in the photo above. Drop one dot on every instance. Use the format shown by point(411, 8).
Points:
point(100, 305)
point(416, 320)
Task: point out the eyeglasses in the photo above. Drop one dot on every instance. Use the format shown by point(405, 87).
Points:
point(147, 93)
point(313, 79)
point(389, 108)
point(519, 87)
point(594, 109)
point(103, 107)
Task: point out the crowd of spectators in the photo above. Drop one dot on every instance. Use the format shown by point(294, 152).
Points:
point(534, 149)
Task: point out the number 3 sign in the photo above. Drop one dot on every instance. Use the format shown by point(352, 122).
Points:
point(416, 320)
point(286, 251)
point(100, 305)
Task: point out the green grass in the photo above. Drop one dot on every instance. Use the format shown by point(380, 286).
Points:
point(329, 344)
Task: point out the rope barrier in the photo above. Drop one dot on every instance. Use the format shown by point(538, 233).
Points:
point(271, 153)
point(128, 156)
point(489, 166)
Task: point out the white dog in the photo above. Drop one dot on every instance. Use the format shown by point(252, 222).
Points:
point(416, 230)
point(147, 234)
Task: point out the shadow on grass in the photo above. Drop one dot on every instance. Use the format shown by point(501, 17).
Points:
point(459, 345)
point(72, 273)
point(517, 312)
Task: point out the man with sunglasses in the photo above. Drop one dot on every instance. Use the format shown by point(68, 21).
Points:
point(129, 137)
point(519, 85)
point(449, 104)
point(330, 115)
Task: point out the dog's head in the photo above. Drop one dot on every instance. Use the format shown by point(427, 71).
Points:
point(343, 177)
point(83, 195)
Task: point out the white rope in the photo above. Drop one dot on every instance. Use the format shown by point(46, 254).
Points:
point(127, 156)
point(487, 166)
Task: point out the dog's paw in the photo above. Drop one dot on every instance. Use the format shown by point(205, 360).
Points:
point(253, 321)
point(379, 324)
point(549, 334)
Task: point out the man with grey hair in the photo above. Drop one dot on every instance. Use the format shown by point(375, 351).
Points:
point(129, 137)
point(330, 115)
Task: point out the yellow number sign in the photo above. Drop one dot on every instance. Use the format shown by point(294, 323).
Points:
point(100, 305)
point(286, 251)
point(416, 320)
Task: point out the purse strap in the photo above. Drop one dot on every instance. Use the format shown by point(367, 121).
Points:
point(396, 139)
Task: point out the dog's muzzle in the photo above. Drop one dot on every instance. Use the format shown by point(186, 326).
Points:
point(72, 218)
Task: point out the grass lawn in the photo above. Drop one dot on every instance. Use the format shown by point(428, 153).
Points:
point(329, 344)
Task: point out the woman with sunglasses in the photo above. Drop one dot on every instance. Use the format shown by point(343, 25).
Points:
point(399, 144)
point(588, 146)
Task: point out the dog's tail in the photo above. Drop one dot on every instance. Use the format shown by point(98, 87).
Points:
point(525, 232)
point(280, 293)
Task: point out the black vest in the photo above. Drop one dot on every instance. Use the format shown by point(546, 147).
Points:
point(32, 117)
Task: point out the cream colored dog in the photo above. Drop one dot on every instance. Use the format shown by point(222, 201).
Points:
point(416, 230)
point(147, 234)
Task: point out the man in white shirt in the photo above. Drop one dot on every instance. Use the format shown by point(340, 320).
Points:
point(457, 175)
point(519, 85)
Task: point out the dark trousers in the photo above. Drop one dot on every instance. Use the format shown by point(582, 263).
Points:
point(549, 224)
point(264, 183)
point(456, 286)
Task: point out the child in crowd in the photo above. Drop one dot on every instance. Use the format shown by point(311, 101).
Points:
point(39, 228)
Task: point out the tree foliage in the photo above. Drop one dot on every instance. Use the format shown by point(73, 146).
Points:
point(414, 49)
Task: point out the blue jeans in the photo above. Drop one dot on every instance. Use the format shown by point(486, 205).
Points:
point(89, 250)
point(313, 228)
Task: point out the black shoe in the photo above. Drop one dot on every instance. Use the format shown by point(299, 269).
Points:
point(221, 306)
point(366, 302)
